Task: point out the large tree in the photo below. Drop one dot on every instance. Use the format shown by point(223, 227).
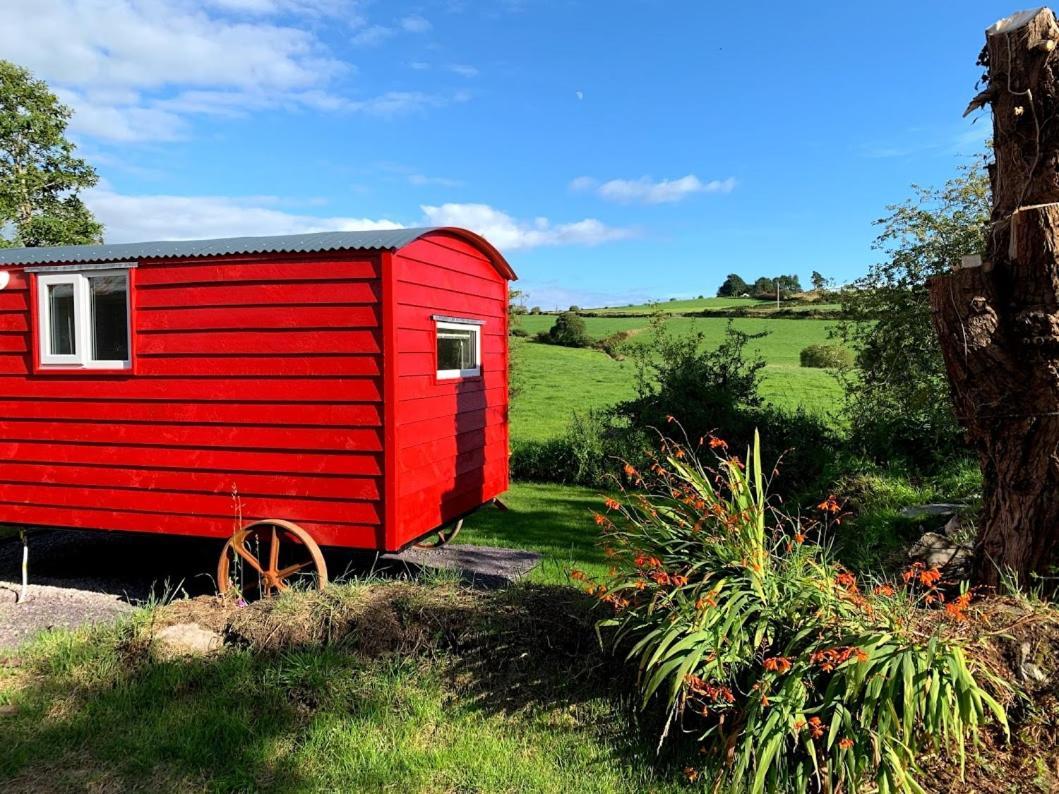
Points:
point(40, 174)
point(998, 317)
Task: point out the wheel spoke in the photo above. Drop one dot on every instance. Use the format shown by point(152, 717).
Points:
point(273, 551)
point(283, 574)
point(250, 559)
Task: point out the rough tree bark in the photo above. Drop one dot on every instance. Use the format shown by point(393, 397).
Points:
point(998, 321)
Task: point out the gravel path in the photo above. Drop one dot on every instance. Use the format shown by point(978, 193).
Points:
point(80, 578)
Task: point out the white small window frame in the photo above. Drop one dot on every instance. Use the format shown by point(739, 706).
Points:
point(452, 324)
point(82, 356)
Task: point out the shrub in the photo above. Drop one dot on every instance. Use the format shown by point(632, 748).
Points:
point(584, 455)
point(569, 331)
point(792, 675)
point(520, 332)
point(826, 357)
point(612, 344)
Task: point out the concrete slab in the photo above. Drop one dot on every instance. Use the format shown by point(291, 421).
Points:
point(485, 566)
point(942, 509)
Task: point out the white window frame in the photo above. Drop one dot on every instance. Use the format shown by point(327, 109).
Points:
point(452, 324)
point(80, 280)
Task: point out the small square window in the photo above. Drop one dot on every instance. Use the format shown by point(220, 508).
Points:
point(459, 349)
point(83, 319)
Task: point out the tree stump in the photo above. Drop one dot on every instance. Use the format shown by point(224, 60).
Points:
point(998, 321)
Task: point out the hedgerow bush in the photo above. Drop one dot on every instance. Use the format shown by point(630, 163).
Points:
point(568, 330)
point(793, 675)
point(826, 357)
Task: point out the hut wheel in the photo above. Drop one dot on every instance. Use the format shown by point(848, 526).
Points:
point(441, 537)
point(266, 557)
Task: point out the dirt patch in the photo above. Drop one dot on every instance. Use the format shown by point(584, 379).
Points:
point(52, 607)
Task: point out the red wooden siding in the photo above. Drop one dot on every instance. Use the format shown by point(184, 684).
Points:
point(450, 436)
point(256, 393)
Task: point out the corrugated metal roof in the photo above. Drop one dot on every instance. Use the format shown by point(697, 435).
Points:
point(376, 240)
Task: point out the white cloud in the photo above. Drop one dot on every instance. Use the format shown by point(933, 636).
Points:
point(372, 35)
point(647, 191)
point(416, 24)
point(140, 70)
point(508, 233)
point(159, 217)
point(441, 181)
point(167, 217)
point(463, 70)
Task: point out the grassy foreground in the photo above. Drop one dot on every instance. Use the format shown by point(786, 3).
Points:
point(367, 687)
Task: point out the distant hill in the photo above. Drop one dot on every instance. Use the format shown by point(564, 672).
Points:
point(722, 307)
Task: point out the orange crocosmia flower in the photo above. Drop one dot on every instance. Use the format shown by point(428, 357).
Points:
point(630, 471)
point(957, 609)
point(718, 442)
point(884, 590)
point(639, 584)
point(691, 774)
point(929, 578)
point(609, 552)
point(798, 725)
point(779, 664)
point(799, 538)
point(817, 727)
point(600, 519)
point(705, 601)
point(735, 461)
point(764, 700)
point(846, 580)
point(679, 580)
point(680, 452)
point(612, 504)
point(845, 743)
point(830, 505)
point(579, 576)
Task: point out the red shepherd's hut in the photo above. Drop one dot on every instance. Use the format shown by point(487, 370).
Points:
point(341, 389)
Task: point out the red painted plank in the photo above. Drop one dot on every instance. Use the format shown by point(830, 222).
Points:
point(161, 457)
point(54, 385)
point(421, 317)
point(331, 534)
point(253, 318)
point(14, 321)
point(320, 414)
point(327, 364)
point(250, 342)
point(11, 301)
point(416, 386)
point(14, 364)
point(262, 271)
point(174, 435)
point(217, 482)
point(336, 292)
point(157, 501)
point(14, 343)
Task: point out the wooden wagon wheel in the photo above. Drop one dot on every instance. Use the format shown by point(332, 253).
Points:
point(262, 546)
point(441, 536)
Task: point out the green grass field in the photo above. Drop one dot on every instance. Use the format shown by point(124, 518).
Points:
point(689, 305)
point(715, 304)
point(556, 381)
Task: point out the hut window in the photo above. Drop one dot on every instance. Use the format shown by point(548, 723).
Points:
point(83, 318)
point(459, 347)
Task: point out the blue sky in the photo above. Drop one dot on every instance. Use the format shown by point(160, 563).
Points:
point(641, 151)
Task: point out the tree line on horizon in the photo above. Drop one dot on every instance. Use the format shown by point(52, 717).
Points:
point(766, 287)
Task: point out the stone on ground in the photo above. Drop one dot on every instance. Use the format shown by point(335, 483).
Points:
point(185, 639)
